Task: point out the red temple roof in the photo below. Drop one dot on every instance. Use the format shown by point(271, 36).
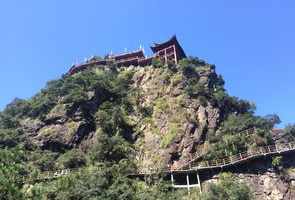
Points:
point(173, 41)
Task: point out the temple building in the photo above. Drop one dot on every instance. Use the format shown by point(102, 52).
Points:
point(168, 52)
point(128, 59)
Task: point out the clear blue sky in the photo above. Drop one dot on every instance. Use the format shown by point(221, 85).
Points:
point(251, 42)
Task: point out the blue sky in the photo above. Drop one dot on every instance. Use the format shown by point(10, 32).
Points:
point(251, 42)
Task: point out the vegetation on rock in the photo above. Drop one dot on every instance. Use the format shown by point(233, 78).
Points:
point(228, 187)
point(120, 120)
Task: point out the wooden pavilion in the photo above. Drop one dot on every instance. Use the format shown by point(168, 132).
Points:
point(168, 52)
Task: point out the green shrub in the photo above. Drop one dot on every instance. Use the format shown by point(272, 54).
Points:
point(168, 137)
point(44, 160)
point(277, 161)
point(14, 111)
point(176, 79)
point(194, 61)
point(11, 168)
point(220, 95)
point(72, 159)
point(203, 100)
point(228, 140)
point(10, 137)
point(289, 132)
point(189, 71)
point(17, 108)
point(227, 188)
point(161, 105)
point(110, 148)
point(195, 89)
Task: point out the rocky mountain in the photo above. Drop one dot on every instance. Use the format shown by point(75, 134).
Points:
point(153, 118)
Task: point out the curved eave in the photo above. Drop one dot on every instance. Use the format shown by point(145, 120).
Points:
point(173, 41)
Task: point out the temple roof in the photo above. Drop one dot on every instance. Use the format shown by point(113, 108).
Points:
point(173, 41)
point(138, 53)
point(136, 57)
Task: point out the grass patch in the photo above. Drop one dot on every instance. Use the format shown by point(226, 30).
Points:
point(171, 135)
point(161, 105)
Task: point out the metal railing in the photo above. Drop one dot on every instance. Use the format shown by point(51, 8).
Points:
point(202, 165)
point(245, 156)
point(197, 155)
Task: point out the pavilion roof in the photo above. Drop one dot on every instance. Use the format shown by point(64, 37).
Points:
point(138, 53)
point(173, 41)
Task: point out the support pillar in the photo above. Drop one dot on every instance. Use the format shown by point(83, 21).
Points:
point(172, 180)
point(166, 59)
point(199, 182)
point(187, 183)
point(175, 54)
point(240, 156)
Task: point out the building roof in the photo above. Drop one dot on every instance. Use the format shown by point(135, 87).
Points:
point(173, 41)
point(132, 58)
point(138, 53)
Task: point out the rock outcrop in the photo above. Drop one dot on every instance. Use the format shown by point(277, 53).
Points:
point(265, 182)
point(171, 118)
point(179, 124)
point(176, 127)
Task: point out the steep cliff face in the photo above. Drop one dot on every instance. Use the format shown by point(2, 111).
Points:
point(179, 123)
point(154, 117)
point(168, 125)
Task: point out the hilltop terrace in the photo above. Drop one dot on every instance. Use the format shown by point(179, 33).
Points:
point(168, 52)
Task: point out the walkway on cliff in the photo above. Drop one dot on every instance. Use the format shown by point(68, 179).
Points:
point(190, 166)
